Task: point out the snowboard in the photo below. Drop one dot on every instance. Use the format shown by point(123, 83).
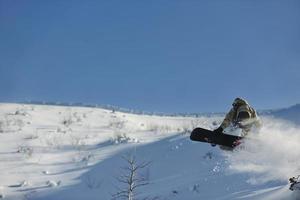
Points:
point(208, 136)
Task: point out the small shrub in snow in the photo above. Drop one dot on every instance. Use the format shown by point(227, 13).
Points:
point(194, 124)
point(83, 158)
point(20, 124)
point(77, 142)
point(1, 126)
point(117, 123)
point(208, 155)
point(160, 128)
point(28, 151)
point(186, 131)
point(20, 112)
point(53, 183)
point(77, 117)
point(64, 131)
point(53, 141)
point(92, 183)
point(195, 188)
point(87, 158)
point(123, 138)
point(67, 122)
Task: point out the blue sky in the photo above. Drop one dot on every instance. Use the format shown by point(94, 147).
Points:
point(167, 56)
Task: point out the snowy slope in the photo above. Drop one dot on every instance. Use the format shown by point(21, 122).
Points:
point(56, 152)
point(290, 114)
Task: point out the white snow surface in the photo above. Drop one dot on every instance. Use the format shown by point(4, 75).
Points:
point(58, 153)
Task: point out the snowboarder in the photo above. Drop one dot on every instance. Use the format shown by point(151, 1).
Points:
point(242, 115)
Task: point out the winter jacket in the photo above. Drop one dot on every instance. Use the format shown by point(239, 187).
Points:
point(242, 115)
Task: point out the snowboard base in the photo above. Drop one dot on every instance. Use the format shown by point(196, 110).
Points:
point(208, 136)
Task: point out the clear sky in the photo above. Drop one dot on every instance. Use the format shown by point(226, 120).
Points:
point(163, 55)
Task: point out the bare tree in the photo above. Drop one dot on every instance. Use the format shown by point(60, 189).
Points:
point(131, 179)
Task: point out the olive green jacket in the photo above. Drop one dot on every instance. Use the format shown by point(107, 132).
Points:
point(231, 116)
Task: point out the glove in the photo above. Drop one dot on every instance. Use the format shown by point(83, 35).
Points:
point(218, 130)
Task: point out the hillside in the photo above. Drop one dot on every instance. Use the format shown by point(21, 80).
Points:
point(291, 114)
point(57, 152)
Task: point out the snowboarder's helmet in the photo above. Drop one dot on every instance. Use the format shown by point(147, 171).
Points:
point(238, 102)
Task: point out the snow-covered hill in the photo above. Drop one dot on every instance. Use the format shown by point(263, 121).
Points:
point(56, 152)
point(290, 114)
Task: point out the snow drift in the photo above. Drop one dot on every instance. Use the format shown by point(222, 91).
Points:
point(271, 155)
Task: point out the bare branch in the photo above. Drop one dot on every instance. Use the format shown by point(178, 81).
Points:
point(131, 178)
